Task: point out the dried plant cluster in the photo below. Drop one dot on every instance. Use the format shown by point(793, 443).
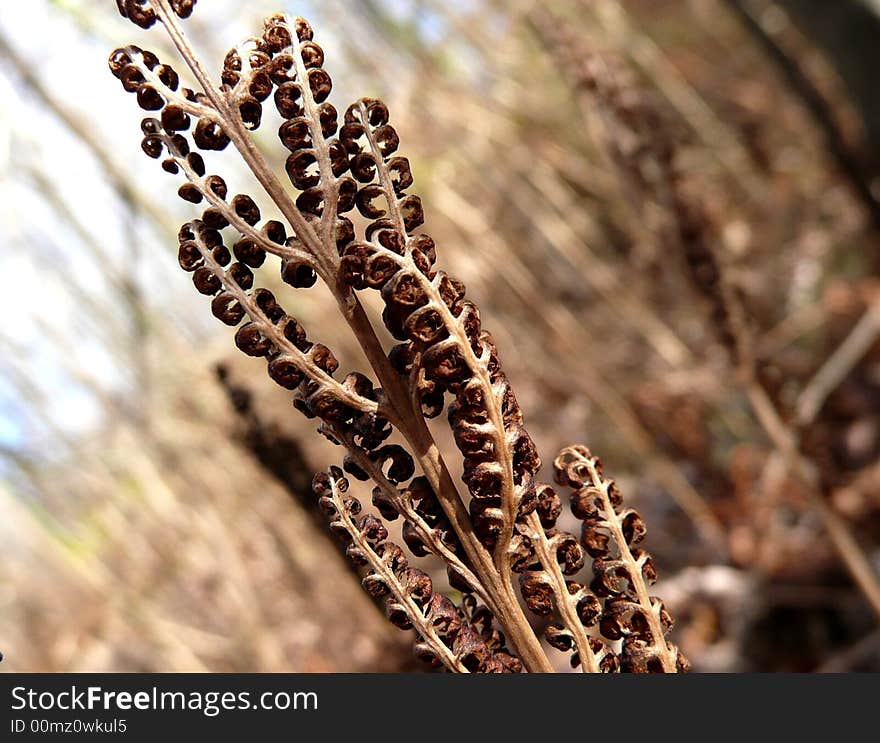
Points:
point(499, 538)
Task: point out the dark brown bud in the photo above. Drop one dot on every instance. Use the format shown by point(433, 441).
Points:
point(285, 373)
point(209, 135)
point(189, 256)
point(139, 12)
point(206, 281)
point(245, 207)
point(549, 506)
point(251, 341)
point(249, 253)
point(537, 594)
point(226, 308)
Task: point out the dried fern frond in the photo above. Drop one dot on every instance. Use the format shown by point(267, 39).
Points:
point(504, 523)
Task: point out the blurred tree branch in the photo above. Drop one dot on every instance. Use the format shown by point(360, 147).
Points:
point(849, 161)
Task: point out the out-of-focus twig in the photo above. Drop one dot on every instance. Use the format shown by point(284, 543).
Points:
point(798, 323)
point(720, 141)
point(835, 369)
point(848, 161)
point(788, 446)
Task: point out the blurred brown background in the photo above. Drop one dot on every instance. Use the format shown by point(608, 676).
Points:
point(154, 502)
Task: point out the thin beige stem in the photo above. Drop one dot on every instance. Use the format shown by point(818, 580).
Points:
point(478, 365)
point(429, 536)
point(783, 439)
point(650, 609)
point(422, 625)
point(836, 368)
point(565, 603)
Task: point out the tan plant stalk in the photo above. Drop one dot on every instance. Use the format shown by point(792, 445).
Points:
point(838, 365)
point(503, 524)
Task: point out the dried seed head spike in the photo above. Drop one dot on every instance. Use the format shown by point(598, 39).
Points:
point(294, 362)
point(426, 529)
point(449, 350)
point(215, 120)
point(286, 64)
point(446, 636)
point(134, 64)
point(622, 572)
point(549, 557)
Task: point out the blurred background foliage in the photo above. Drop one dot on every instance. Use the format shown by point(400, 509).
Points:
point(154, 504)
